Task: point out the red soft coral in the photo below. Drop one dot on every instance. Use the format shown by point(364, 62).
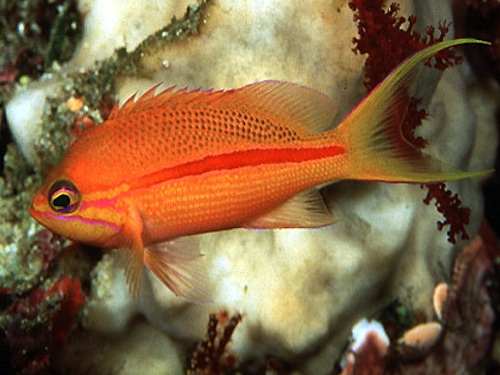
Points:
point(450, 206)
point(385, 41)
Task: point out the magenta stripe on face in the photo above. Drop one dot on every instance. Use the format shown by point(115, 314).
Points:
point(50, 215)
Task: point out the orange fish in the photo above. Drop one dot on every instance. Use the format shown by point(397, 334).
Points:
point(179, 163)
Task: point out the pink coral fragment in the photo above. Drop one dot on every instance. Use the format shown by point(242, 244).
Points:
point(368, 351)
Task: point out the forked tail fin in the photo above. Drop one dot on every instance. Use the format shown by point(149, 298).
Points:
point(377, 148)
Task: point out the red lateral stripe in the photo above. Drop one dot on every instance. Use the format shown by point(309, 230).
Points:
point(238, 159)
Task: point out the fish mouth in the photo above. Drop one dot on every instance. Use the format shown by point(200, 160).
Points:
point(35, 214)
point(36, 209)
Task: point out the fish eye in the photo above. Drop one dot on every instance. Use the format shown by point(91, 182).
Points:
point(64, 197)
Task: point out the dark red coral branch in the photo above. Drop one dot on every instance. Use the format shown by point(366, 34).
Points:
point(388, 39)
point(449, 205)
point(414, 115)
point(383, 37)
point(211, 357)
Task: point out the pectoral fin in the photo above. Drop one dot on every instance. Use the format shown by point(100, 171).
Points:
point(131, 257)
point(131, 261)
point(305, 210)
point(178, 264)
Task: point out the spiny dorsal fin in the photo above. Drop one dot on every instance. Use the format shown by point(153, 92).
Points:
point(308, 110)
point(129, 104)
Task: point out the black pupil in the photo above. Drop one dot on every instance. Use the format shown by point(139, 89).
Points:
point(62, 201)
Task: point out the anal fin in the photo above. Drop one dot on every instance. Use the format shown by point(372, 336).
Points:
point(178, 264)
point(305, 210)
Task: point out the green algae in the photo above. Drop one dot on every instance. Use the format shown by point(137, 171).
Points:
point(397, 318)
point(176, 31)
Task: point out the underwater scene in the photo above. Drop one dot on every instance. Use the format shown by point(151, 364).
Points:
point(249, 187)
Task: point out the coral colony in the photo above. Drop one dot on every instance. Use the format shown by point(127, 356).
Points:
point(38, 315)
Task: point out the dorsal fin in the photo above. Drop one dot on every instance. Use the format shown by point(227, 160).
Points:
point(129, 104)
point(308, 110)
